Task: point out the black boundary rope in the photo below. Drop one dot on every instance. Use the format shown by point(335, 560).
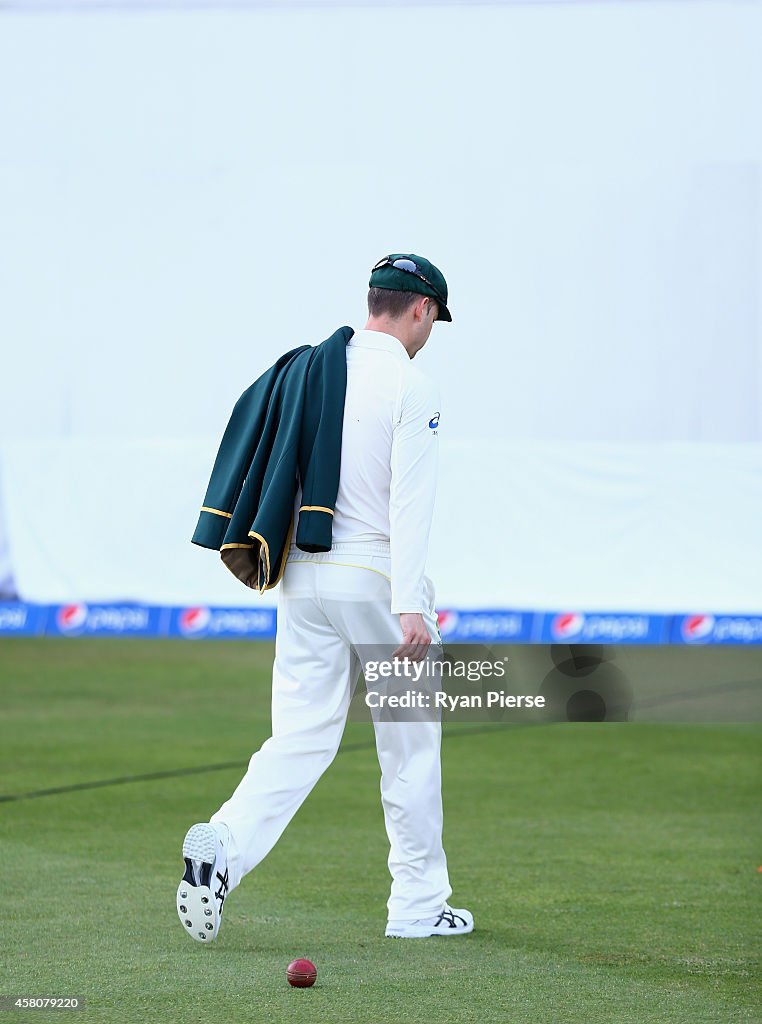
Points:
point(348, 748)
point(176, 773)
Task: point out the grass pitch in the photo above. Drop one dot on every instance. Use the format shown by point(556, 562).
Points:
point(612, 869)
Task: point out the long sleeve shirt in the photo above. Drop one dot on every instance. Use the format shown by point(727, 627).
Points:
point(387, 480)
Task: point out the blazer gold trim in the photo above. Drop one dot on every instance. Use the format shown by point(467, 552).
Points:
point(284, 558)
point(264, 548)
point(216, 512)
point(316, 508)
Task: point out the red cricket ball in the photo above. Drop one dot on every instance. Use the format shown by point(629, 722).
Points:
point(301, 973)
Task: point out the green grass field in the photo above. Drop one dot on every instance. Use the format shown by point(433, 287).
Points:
point(612, 869)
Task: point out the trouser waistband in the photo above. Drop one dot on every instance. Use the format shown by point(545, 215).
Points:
point(347, 547)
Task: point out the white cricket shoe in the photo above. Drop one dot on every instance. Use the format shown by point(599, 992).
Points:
point(448, 922)
point(201, 894)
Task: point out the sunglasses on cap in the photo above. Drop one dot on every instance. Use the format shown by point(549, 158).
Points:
point(409, 267)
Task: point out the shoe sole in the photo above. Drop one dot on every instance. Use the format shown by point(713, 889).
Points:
point(196, 906)
point(427, 933)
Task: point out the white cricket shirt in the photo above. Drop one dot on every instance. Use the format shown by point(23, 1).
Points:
point(388, 476)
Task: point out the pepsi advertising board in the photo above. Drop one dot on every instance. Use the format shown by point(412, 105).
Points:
point(483, 626)
point(19, 619)
point(600, 627)
point(81, 619)
point(201, 622)
point(206, 622)
point(716, 629)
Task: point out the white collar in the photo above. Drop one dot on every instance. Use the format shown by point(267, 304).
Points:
point(380, 341)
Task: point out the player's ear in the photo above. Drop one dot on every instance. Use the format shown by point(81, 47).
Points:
point(422, 307)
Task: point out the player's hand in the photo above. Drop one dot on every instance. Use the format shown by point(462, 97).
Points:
point(415, 637)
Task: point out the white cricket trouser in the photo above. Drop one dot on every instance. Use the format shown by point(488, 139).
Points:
point(328, 604)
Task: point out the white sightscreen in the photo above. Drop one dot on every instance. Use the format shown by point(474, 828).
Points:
point(185, 195)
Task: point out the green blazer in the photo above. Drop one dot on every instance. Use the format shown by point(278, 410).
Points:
point(284, 430)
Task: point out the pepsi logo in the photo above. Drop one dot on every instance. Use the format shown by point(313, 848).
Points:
point(194, 620)
point(447, 622)
point(71, 617)
point(695, 628)
point(567, 625)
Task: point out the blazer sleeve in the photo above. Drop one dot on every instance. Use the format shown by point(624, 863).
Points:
point(235, 454)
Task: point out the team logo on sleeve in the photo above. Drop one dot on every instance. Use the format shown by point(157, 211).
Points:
point(434, 422)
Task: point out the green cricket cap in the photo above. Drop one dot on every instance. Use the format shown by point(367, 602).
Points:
point(412, 274)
